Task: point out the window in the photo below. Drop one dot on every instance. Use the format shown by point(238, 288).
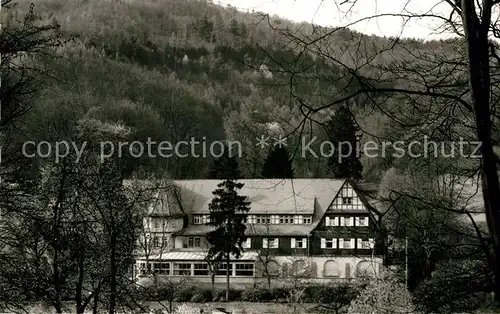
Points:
point(307, 220)
point(161, 268)
point(201, 269)
point(286, 219)
point(244, 269)
point(328, 243)
point(275, 219)
point(247, 244)
point(366, 244)
point(143, 270)
point(164, 241)
point(359, 243)
point(193, 242)
point(348, 244)
point(298, 219)
point(349, 221)
point(156, 223)
point(156, 242)
point(201, 219)
point(274, 243)
point(371, 243)
point(299, 243)
point(347, 200)
point(331, 269)
point(332, 221)
point(221, 271)
point(362, 221)
point(262, 219)
point(271, 243)
point(182, 269)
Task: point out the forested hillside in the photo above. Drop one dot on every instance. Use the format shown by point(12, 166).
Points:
point(171, 70)
point(108, 72)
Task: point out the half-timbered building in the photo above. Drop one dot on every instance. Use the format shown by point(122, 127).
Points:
point(323, 227)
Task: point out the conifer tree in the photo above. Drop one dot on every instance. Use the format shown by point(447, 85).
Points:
point(341, 130)
point(278, 164)
point(227, 214)
point(225, 167)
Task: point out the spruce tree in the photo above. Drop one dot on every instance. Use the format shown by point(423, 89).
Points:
point(278, 164)
point(227, 214)
point(342, 128)
point(225, 167)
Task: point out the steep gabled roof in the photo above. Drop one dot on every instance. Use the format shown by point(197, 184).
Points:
point(165, 200)
point(362, 193)
point(267, 196)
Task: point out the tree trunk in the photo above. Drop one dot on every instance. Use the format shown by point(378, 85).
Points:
point(95, 307)
point(476, 32)
point(57, 300)
point(57, 283)
point(228, 262)
point(113, 273)
point(170, 305)
point(213, 284)
point(80, 306)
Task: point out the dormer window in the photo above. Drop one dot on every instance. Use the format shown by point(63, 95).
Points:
point(278, 219)
point(201, 219)
point(286, 220)
point(192, 242)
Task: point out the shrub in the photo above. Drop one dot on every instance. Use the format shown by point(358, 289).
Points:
point(455, 287)
point(184, 295)
point(383, 295)
point(220, 295)
point(279, 294)
point(151, 293)
point(254, 295)
point(333, 298)
point(314, 293)
point(202, 296)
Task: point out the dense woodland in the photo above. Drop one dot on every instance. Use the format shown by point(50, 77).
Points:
point(174, 70)
point(171, 70)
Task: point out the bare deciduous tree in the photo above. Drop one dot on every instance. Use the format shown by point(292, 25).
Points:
point(448, 94)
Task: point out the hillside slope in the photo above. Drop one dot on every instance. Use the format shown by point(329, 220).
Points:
point(172, 70)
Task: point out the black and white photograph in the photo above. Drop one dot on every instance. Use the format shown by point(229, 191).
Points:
point(250, 156)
